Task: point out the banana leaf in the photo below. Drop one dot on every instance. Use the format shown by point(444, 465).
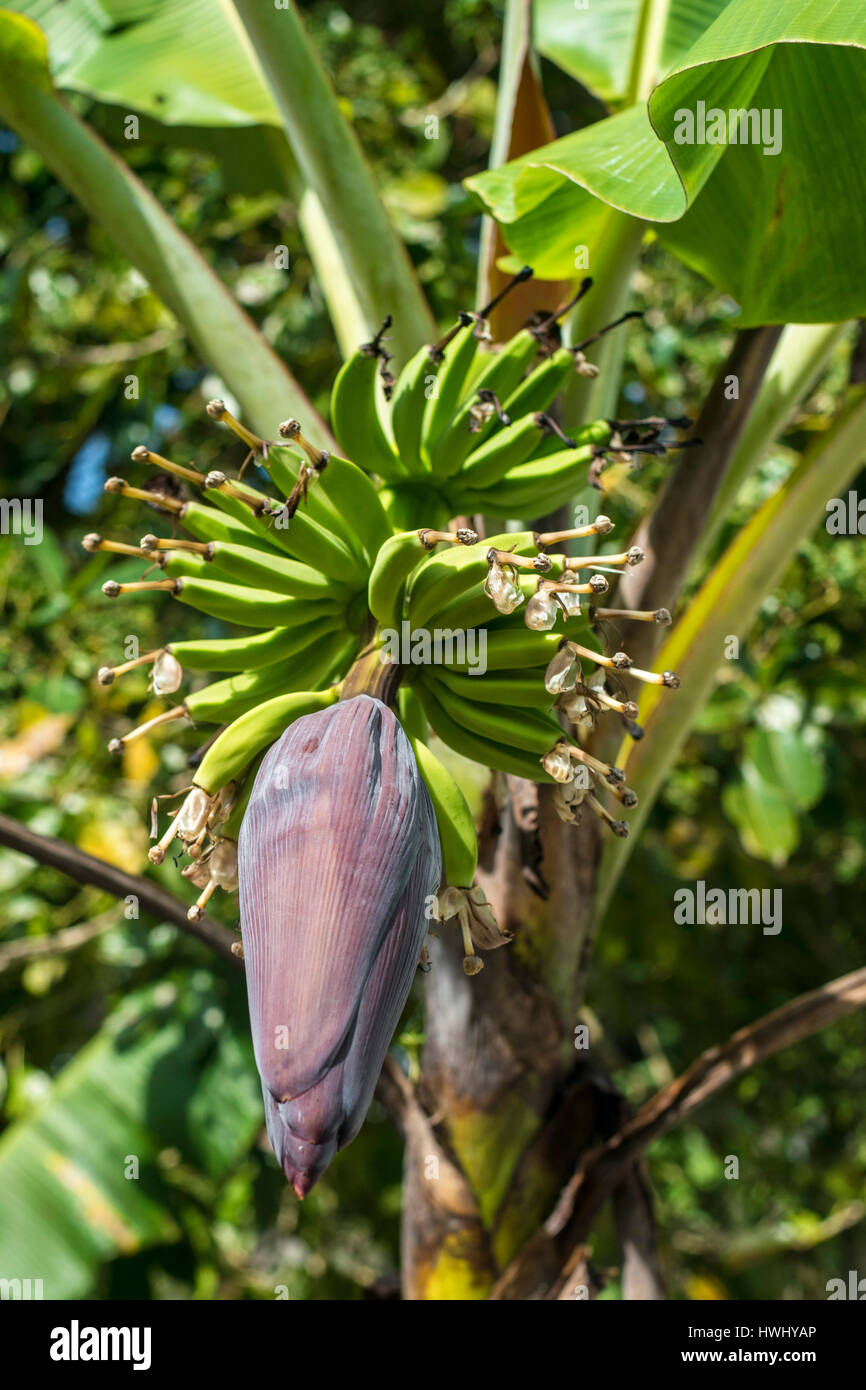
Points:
point(222, 333)
point(196, 65)
point(81, 1176)
point(779, 224)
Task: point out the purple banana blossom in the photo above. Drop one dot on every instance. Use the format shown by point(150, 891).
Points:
point(337, 854)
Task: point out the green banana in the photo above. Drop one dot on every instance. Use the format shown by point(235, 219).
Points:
point(513, 650)
point(301, 538)
point(501, 374)
point(355, 498)
point(393, 565)
point(444, 562)
point(357, 419)
point(307, 540)
point(411, 713)
point(547, 445)
point(248, 653)
point(596, 432)
point(457, 361)
point(573, 626)
point(208, 524)
point(514, 728)
point(444, 576)
point(509, 447)
point(249, 607)
point(244, 513)
point(227, 699)
point(183, 563)
point(457, 837)
point(473, 608)
point(455, 584)
point(283, 466)
point(532, 488)
point(540, 389)
point(513, 689)
point(282, 575)
point(408, 404)
point(435, 584)
point(503, 371)
point(481, 750)
point(237, 564)
point(237, 745)
point(230, 828)
point(409, 501)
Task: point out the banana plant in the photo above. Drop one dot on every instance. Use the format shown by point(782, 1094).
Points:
point(364, 553)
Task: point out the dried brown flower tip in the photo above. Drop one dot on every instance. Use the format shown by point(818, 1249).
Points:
point(462, 536)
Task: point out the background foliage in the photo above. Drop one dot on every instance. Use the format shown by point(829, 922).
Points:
point(213, 1216)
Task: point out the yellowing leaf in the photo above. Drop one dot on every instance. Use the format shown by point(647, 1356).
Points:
point(123, 845)
point(36, 740)
point(140, 761)
point(703, 1287)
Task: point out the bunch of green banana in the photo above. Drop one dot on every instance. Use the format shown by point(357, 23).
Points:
point(348, 575)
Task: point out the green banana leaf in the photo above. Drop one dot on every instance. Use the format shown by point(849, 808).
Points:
point(767, 826)
point(783, 233)
point(599, 44)
point(195, 65)
point(781, 775)
point(167, 1070)
point(185, 64)
point(792, 761)
point(223, 334)
point(726, 606)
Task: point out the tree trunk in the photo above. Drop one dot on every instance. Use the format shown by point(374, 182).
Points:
point(508, 1103)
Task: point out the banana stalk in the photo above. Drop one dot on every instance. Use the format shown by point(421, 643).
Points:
point(360, 604)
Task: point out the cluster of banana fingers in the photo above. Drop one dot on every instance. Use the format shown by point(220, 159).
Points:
point(484, 667)
point(295, 570)
point(463, 430)
point(350, 558)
